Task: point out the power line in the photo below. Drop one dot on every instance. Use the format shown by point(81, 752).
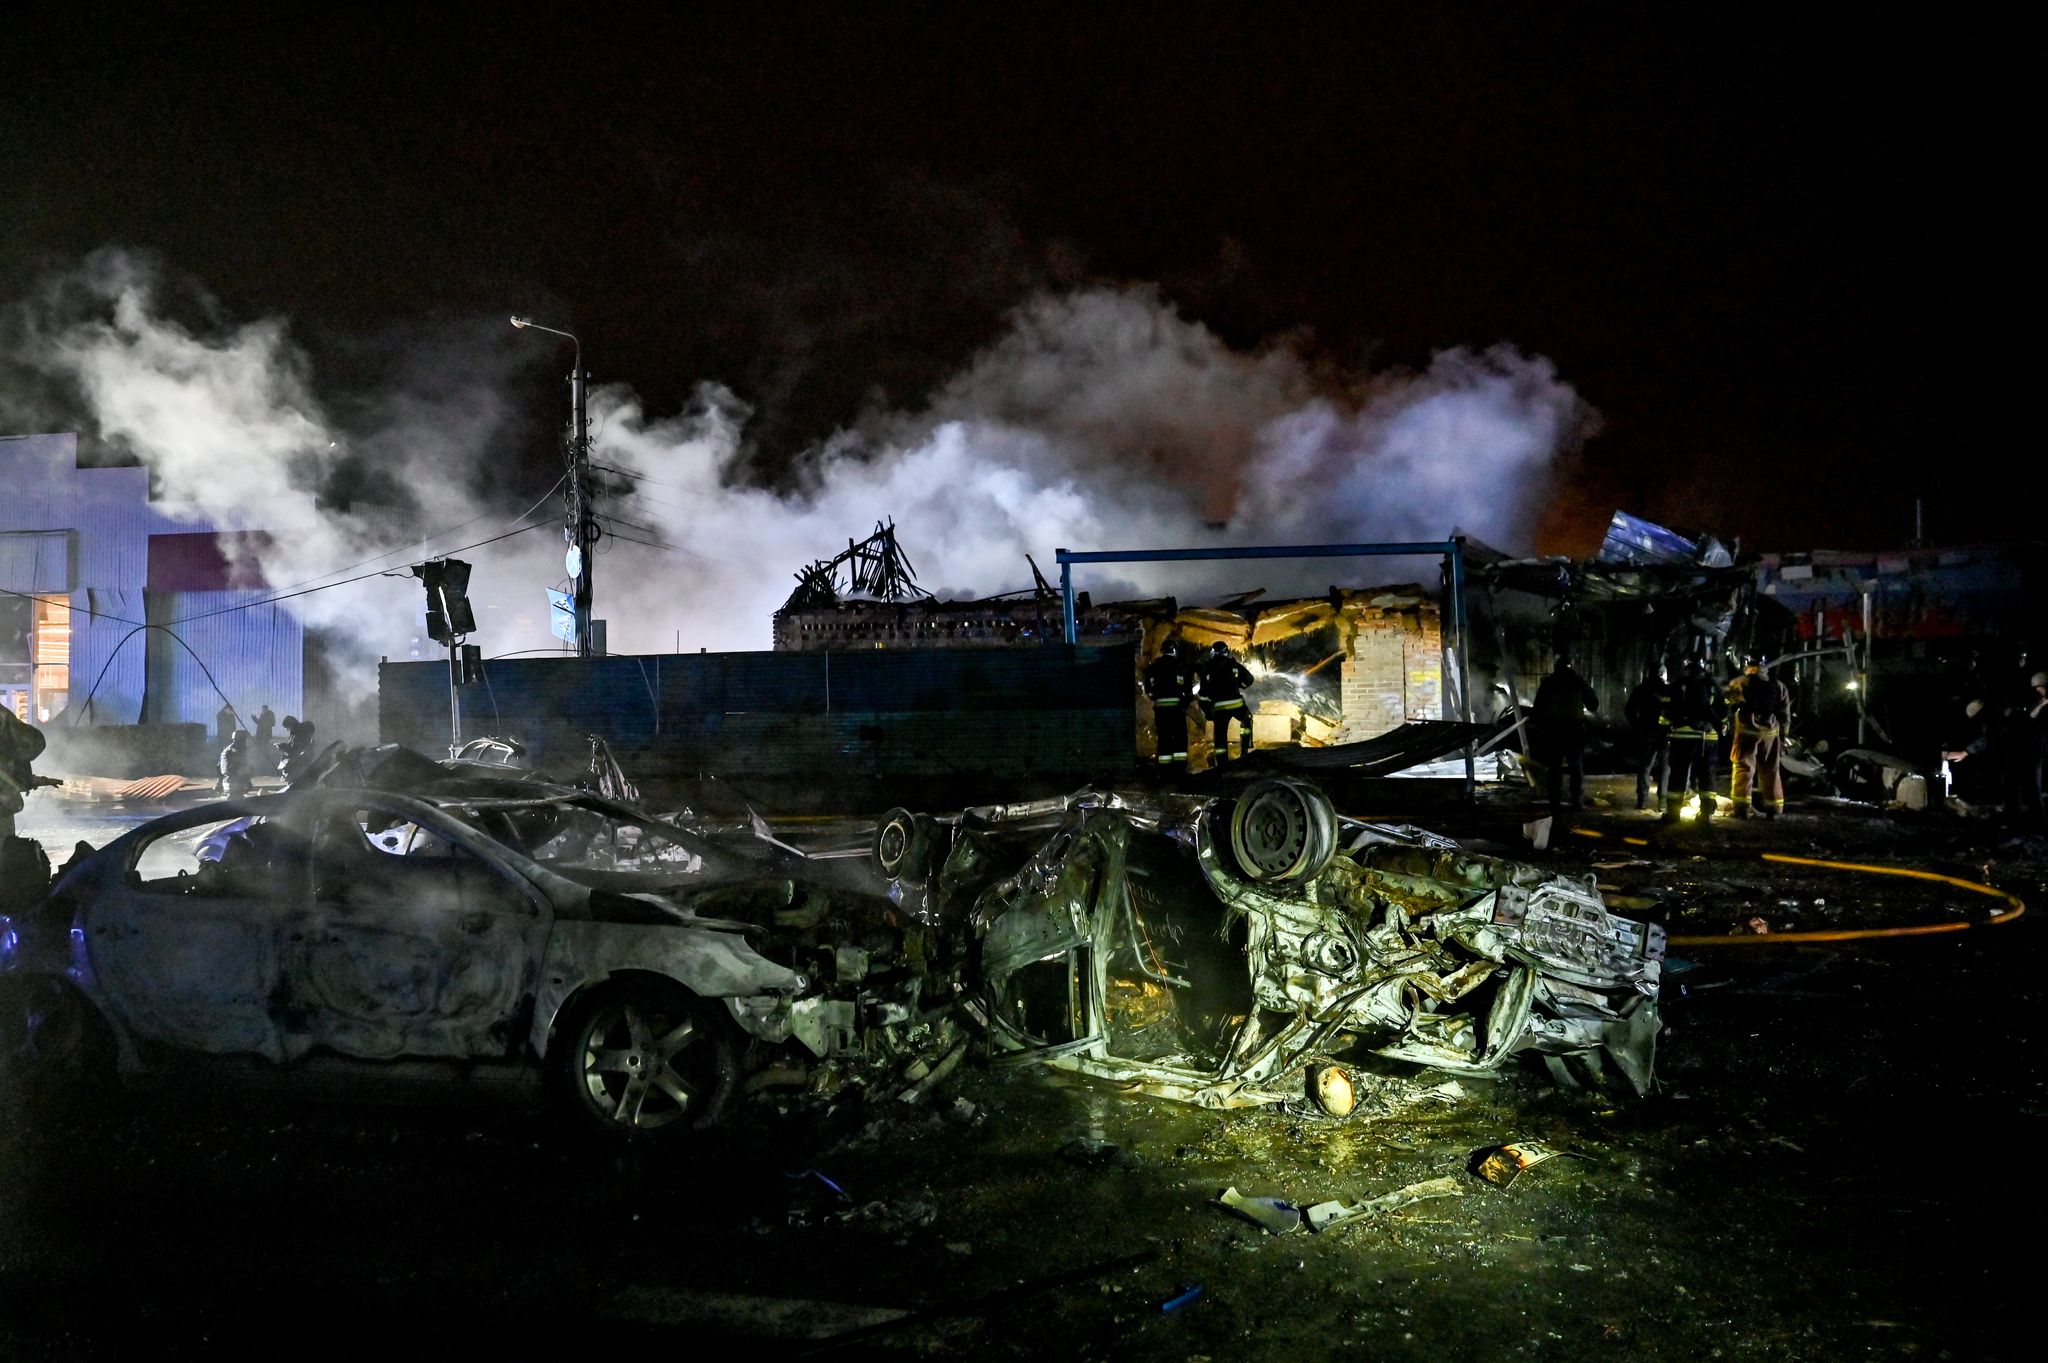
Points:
point(643, 478)
point(427, 539)
point(672, 548)
point(89, 611)
point(360, 577)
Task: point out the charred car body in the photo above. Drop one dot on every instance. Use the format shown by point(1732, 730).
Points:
point(1226, 951)
point(494, 928)
point(1235, 951)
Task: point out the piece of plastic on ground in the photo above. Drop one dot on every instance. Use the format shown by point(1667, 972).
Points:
point(1270, 1214)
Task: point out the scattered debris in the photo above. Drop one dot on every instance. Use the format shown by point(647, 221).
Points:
point(1270, 1214)
point(838, 1191)
point(775, 1317)
point(1503, 1164)
point(1325, 1215)
point(1091, 1151)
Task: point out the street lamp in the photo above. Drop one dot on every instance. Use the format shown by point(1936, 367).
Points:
point(581, 532)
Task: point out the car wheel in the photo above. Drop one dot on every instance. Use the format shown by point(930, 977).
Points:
point(903, 846)
point(52, 1043)
point(1282, 831)
point(646, 1061)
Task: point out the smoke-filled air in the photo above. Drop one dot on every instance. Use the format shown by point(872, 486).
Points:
point(1098, 419)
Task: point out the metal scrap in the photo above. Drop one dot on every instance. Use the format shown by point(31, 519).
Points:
point(1503, 1164)
point(1328, 1215)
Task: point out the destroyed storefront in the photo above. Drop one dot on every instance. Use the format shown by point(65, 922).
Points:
point(1341, 668)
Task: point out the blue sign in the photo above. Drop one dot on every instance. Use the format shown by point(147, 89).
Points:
point(562, 616)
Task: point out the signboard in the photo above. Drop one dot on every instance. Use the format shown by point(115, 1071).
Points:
point(562, 616)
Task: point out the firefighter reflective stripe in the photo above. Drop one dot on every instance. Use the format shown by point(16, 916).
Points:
point(1237, 704)
point(1166, 700)
point(1689, 731)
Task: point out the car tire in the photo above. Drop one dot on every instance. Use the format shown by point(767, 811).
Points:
point(1282, 831)
point(55, 1049)
point(903, 846)
point(645, 1061)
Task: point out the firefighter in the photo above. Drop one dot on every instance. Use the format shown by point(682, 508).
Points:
point(297, 750)
point(1222, 681)
point(1695, 716)
point(1563, 700)
point(1169, 683)
point(1762, 710)
point(1649, 719)
point(21, 743)
point(234, 765)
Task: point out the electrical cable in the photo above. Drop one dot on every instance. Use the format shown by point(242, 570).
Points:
point(361, 577)
point(428, 539)
point(655, 482)
point(85, 704)
point(672, 548)
point(90, 613)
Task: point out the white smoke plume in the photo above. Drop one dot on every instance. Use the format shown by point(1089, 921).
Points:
point(1101, 419)
point(1104, 420)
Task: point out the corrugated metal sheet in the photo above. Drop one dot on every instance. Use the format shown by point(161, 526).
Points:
point(110, 513)
point(1631, 539)
point(36, 561)
point(1049, 709)
point(256, 656)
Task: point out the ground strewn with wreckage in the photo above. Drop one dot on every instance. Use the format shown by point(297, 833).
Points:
point(1826, 1171)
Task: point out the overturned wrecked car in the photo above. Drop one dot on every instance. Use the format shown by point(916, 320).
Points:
point(1244, 950)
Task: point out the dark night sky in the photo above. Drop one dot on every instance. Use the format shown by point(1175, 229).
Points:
point(1779, 255)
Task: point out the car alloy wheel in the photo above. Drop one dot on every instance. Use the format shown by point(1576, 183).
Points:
point(647, 1061)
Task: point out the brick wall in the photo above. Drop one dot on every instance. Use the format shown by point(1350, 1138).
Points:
point(1394, 673)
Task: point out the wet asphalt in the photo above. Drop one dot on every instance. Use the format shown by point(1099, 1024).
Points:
point(1839, 1164)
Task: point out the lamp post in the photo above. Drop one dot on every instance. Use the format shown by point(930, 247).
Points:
point(581, 531)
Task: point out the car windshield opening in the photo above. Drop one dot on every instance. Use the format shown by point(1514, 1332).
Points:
point(1174, 979)
point(566, 836)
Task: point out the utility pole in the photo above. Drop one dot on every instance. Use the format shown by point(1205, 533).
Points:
point(580, 531)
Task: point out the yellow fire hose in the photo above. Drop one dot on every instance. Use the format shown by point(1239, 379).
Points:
point(2015, 906)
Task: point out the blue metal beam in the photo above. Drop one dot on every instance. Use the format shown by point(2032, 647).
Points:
point(1430, 547)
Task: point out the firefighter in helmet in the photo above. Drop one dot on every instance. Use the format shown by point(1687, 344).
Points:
point(1222, 680)
point(1762, 708)
point(1695, 714)
point(1170, 682)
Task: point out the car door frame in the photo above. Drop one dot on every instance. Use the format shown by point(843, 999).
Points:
point(315, 1024)
point(117, 919)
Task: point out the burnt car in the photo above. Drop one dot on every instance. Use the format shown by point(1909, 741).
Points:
point(474, 926)
point(472, 930)
point(1258, 949)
